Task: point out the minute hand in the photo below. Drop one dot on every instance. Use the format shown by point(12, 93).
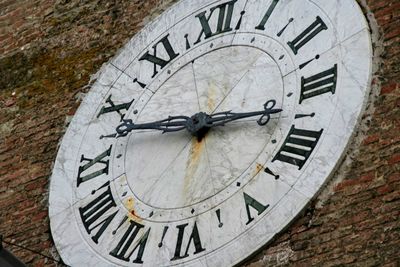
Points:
point(171, 124)
point(219, 119)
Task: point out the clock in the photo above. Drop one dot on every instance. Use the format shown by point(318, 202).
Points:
point(209, 132)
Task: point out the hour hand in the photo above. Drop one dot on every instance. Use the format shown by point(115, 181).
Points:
point(219, 119)
point(171, 124)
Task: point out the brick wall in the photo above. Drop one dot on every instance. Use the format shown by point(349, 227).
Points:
point(49, 49)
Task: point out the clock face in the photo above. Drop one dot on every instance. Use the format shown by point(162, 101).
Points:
point(284, 83)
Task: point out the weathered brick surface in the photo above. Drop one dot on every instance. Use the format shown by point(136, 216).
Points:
point(49, 49)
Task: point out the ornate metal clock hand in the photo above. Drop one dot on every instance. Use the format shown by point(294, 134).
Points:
point(171, 124)
point(200, 123)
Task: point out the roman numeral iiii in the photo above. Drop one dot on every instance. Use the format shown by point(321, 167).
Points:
point(298, 146)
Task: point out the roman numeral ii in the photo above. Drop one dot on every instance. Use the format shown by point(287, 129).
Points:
point(316, 27)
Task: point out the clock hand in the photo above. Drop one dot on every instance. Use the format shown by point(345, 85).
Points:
point(221, 118)
point(171, 124)
point(198, 124)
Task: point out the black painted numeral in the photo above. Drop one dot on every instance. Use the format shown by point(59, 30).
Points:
point(224, 20)
point(298, 146)
point(126, 246)
point(316, 27)
point(321, 83)
point(92, 214)
point(157, 61)
point(102, 159)
point(251, 202)
point(194, 236)
point(271, 8)
point(115, 108)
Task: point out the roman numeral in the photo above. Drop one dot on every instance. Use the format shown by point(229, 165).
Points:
point(316, 27)
point(298, 146)
point(124, 250)
point(92, 214)
point(98, 161)
point(251, 202)
point(321, 83)
point(157, 61)
point(115, 108)
point(224, 20)
point(194, 236)
point(271, 8)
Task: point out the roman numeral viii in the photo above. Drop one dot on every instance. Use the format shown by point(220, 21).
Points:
point(99, 165)
point(223, 23)
point(316, 27)
point(92, 214)
point(157, 61)
point(298, 146)
point(321, 83)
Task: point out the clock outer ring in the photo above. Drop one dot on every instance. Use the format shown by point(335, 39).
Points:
point(66, 238)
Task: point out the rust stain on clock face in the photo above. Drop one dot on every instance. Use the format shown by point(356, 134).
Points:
point(130, 205)
point(193, 162)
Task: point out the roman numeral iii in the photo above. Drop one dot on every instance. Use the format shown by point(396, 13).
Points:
point(318, 84)
point(101, 160)
point(316, 27)
point(298, 146)
point(223, 23)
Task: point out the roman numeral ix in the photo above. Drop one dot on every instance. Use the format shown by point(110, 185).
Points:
point(298, 146)
point(100, 160)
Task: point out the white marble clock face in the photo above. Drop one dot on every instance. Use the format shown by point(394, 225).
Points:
point(170, 199)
